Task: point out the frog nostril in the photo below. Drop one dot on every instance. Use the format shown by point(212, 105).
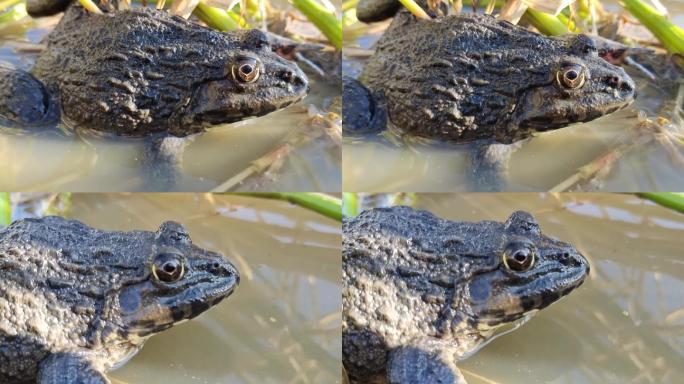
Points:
point(626, 87)
point(613, 81)
point(291, 77)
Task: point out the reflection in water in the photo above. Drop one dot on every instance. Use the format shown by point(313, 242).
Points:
point(624, 324)
point(282, 325)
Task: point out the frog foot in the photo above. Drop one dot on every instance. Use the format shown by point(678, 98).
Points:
point(422, 363)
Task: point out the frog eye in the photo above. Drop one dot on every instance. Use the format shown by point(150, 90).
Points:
point(246, 70)
point(519, 257)
point(168, 267)
point(571, 76)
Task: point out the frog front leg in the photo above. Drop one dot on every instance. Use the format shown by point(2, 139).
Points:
point(423, 362)
point(488, 170)
point(24, 100)
point(363, 111)
point(161, 161)
point(65, 368)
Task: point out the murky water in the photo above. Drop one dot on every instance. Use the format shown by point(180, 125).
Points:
point(542, 163)
point(282, 325)
point(64, 161)
point(623, 325)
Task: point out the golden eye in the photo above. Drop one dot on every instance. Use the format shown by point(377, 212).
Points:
point(168, 267)
point(571, 76)
point(519, 257)
point(246, 70)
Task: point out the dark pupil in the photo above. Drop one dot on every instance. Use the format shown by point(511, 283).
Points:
point(169, 268)
point(571, 75)
point(520, 257)
point(246, 69)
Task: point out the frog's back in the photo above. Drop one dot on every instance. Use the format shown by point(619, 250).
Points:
point(136, 67)
point(457, 75)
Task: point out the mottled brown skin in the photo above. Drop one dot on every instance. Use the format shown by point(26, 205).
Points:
point(471, 77)
point(421, 292)
point(142, 71)
point(76, 301)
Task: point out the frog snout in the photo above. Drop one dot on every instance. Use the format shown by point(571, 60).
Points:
point(573, 259)
point(295, 78)
point(623, 84)
point(225, 269)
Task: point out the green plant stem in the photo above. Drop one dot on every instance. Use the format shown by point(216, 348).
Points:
point(350, 206)
point(5, 209)
point(415, 9)
point(215, 18)
point(4, 4)
point(349, 4)
point(90, 6)
point(670, 200)
point(13, 13)
point(546, 23)
point(318, 202)
point(671, 36)
point(323, 19)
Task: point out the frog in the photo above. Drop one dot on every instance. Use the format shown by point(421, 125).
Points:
point(487, 79)
point(477, 80)
point(142, 72)
point(422, 292)
point(77, 302)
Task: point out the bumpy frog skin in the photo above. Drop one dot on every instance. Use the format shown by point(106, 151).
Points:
point(141, 71)
point(420, 292)
point(469, 77)
point(76, 301)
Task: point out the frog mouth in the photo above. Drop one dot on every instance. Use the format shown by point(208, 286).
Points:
point(545, 124)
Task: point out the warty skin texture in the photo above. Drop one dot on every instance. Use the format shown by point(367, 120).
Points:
point(141, 71)
point(81, 300)
point(467, 77)
point(422, 292)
